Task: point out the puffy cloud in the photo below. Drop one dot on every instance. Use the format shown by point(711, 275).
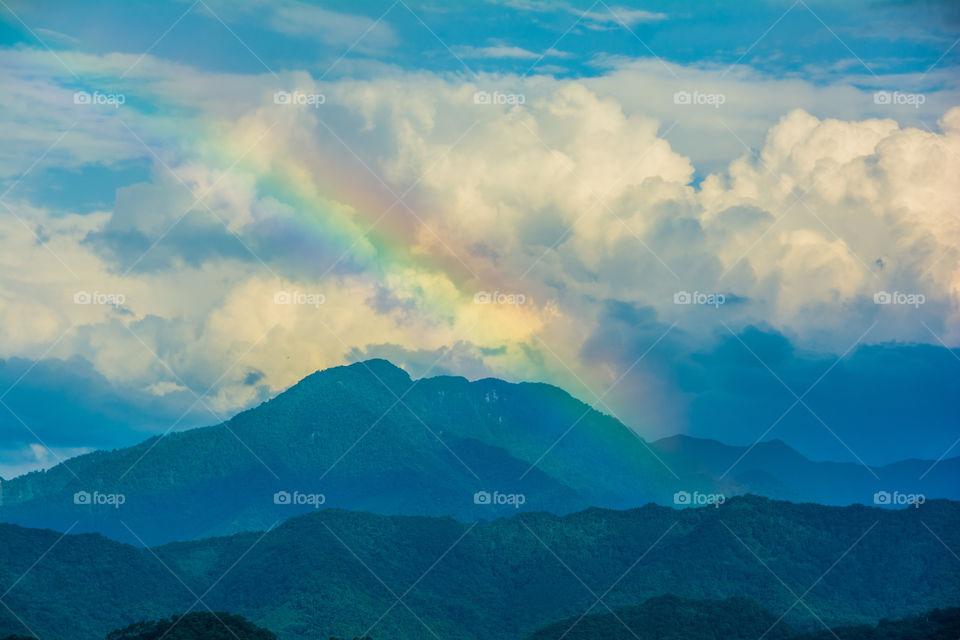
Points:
point(497, 51)
point(305, 20)
point(67, 405)
point(624, 16)
point(738, 387)
point(557, 198)
point(35, 456)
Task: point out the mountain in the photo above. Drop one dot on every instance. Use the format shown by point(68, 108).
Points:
point(775, 469)
point(191, 626)
point(339, 573)
point(662, 618)
point(194, 626)
point(367, 437)
point(673, 618)
point(939, 624)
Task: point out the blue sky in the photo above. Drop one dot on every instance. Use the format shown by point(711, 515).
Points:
point(806, 38)
point(797, 159)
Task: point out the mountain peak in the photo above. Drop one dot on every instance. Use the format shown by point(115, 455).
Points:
point(379, 367)
point(375, 372)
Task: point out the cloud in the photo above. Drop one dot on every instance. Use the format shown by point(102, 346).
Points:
point(506, 51)
point(62, 39)
point(22, 460)
point(738, 387)
point(569, 195)
point(303, 20)
point(459, 359)
point(67, 405)
point(623, 16)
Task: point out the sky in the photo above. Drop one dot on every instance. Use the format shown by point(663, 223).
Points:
point(735, 220)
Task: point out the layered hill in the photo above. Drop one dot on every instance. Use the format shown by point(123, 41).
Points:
point(347, 574)
point(368, 437)
point(674, 618)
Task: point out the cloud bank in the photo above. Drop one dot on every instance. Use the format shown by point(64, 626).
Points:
point(513, 226)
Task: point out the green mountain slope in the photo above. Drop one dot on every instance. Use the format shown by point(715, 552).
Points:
point(674, 618)
point(339, 573)
point(343, 434)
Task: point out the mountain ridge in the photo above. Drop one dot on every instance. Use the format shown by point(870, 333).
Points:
point(335, 572)
point(342, 434)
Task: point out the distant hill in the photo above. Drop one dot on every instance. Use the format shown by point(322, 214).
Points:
point(673, 618)
point(194, 626)
point(661, 618)
point(342, 434)
point(191, 626)
point(335, 573)
point(939, 624)
point(776, 470)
